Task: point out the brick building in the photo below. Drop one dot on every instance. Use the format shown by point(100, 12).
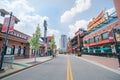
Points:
point(18, 44)
point(75, 44)
point(103, 34)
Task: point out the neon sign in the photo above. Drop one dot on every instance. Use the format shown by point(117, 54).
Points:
point(96, 21)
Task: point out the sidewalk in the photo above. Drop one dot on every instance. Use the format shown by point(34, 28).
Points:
point(22, 64)
point(106, 61)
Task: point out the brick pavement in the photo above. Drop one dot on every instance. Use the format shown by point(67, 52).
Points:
point(106, 61)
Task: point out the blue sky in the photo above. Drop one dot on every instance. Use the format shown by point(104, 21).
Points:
point(63, 16)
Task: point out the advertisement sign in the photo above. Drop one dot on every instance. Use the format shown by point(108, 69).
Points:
point(6, 22)
point(117, 37)
point(96, 21)
point(111, 37)
point(8, 50)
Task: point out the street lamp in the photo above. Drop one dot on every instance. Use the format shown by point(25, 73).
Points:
point(117, 52)
point(3, 13)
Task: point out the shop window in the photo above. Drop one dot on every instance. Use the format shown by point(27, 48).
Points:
point(107, 49)
point(97, 49)
point(118, 48)
point(91, 49)
point(104, 35)
point(96, 39)
point(85, 50)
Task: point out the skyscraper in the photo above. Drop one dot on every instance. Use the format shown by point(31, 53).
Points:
point(63, 43)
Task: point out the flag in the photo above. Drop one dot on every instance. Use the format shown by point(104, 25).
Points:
point(6, 22)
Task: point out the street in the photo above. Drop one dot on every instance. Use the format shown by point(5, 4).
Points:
point(65, 67)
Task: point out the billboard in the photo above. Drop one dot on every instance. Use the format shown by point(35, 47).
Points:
point(96, 21)
point(6, 22)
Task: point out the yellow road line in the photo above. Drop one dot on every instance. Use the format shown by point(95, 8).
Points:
point(67, 78)
point(69, 70)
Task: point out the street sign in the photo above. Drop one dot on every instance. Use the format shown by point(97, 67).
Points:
point(6, 22)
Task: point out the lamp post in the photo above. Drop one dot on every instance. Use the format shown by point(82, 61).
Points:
point(117, 52)
point(6, 37)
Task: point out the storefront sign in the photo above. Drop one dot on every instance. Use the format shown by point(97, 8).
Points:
point(117, 37)
point(97, 21)
point(111, 37)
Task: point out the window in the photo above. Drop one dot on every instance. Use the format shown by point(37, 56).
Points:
point(96, 39)
point(20, 35)
point(91, 49)
point(19, 50)
point(15, 34)
point(85, 42)
point(104, 35)
point(97, 49)
point(90, 40)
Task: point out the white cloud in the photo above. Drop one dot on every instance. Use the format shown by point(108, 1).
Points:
point(26, 13)
point(52, 32)
point(80, 6)
point(79, 24)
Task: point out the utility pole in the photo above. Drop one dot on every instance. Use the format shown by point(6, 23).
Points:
point(6, 36)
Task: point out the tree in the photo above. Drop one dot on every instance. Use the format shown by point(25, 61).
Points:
point(34, 41)
point(52, 44)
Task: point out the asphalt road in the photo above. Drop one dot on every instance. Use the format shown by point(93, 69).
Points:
point(65, 68)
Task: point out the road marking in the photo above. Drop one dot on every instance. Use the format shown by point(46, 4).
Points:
point(69, 70)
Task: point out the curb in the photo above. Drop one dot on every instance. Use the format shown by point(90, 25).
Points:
point(24, 68)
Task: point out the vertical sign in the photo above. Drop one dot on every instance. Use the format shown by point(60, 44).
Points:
point(6, 22)
point(111, 37)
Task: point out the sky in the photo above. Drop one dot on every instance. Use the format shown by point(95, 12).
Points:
point(62, 16)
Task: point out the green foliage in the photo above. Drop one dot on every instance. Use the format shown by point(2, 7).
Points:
point(52, 44)
point(34, 41)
